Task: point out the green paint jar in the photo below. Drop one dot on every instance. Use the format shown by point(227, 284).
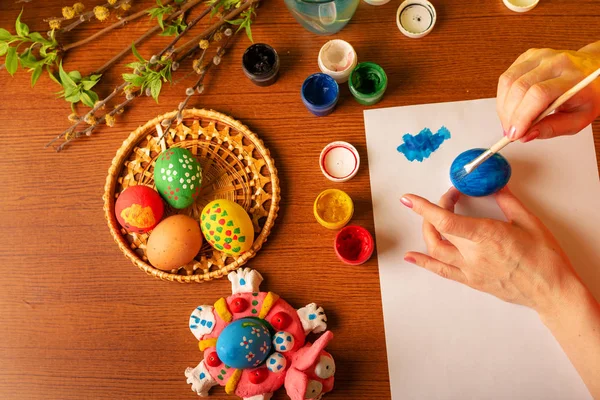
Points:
point(367, 83)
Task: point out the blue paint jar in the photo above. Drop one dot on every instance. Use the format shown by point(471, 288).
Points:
point(491, 176)
point(320, 94)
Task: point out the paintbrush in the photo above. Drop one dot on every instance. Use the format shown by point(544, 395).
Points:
point(470, 167)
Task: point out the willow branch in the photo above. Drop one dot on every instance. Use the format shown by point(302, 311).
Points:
point(216, 25)
point(190, 91)
point(187, 28)
point(90, 113)
point(86, 16)
point(110, 28)
point(90, 128)
point(148, 33)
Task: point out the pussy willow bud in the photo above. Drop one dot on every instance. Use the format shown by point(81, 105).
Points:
point(174, 66)
point(148, 92)
point(129, 96)
point(165, 122)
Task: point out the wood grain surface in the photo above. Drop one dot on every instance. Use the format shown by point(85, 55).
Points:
point(78, 320)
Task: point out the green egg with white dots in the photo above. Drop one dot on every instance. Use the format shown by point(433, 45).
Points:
point(178, 176)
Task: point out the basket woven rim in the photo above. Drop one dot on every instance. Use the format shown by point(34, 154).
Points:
point(118, 163)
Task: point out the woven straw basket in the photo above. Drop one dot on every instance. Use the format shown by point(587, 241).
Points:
point(235, 166)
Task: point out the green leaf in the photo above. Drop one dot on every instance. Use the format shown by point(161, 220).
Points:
point(37, 72)
point(155, 87)
point(21, 28)
point(27, 59)
point(51, 74)
point(71, 91)
point(5, 35)
point(95, 77)
point(65, 79)
point(37, 37)
point(134, 79)
point(74, 98)
point(75, 75)
point(238, 21)
point(249, 33)
point(3, 48)
point(87, 99)
point(87, 85)
point(136, 54)
point(12, 61)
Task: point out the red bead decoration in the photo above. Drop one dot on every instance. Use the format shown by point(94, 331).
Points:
point(239, 305)
point(281, 320)
point(258, 375)
point(213, 359)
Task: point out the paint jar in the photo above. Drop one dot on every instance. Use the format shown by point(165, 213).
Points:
point(354, 245)
point(333, 209)
point(339, 161)
point(367, 83)
point(323, 17)
point(260, 63)
point(521, 5)
point(337, 59)
point(320, 94)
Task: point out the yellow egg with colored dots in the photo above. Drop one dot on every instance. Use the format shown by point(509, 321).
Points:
point(227, 227)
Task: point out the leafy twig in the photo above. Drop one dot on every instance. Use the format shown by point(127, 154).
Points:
point(88, 131)
point(88, 15)
point(148, 33)
point(108, 29)
point(233, 14)
point(170, 46)
point(198, 86)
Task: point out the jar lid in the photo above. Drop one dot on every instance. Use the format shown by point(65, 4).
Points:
point(333, 209)
point(521, 5)
point(339, 161)
point(416, 18)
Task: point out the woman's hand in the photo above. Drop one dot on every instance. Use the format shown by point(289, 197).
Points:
point(517, 261)
point(535, 80)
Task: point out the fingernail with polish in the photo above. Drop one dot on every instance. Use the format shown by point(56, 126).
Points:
point(406, 201)
point(512, 133)
point(531, 136)
point(410, 259)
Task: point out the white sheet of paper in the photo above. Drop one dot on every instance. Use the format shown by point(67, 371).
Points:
point(448, 341)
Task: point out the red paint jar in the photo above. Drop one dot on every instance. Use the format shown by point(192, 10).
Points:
point(354, 245)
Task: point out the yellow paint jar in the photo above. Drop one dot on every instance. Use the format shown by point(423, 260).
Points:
point(333, 209)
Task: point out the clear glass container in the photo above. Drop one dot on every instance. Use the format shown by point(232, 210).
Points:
point(324, 17)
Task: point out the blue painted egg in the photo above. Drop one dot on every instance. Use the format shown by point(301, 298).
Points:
point(491, 176)
point(244, 343)
point(283, 341)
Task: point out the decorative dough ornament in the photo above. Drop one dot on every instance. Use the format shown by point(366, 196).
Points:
point(249, 330)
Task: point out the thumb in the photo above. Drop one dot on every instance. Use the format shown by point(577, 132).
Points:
point(513, 209)
point(560, 124)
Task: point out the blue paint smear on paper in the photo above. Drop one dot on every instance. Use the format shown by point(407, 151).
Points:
point(423, 144)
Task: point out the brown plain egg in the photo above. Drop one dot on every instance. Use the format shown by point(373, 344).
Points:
point(174, 242)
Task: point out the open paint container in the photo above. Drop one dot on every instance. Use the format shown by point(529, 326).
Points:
point(354, 245)
point(333, 209)
point(320, 94)
point(337, 59)
point(339, 161)
point(260, 63)
point(367, 83)
point(521, 5)
point(416, 18)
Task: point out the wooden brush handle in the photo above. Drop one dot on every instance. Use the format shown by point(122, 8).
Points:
point(557, 103)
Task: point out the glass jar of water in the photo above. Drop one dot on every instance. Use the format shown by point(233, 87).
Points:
point(324, 17)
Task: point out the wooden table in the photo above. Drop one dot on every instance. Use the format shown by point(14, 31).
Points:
point(78, 320)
